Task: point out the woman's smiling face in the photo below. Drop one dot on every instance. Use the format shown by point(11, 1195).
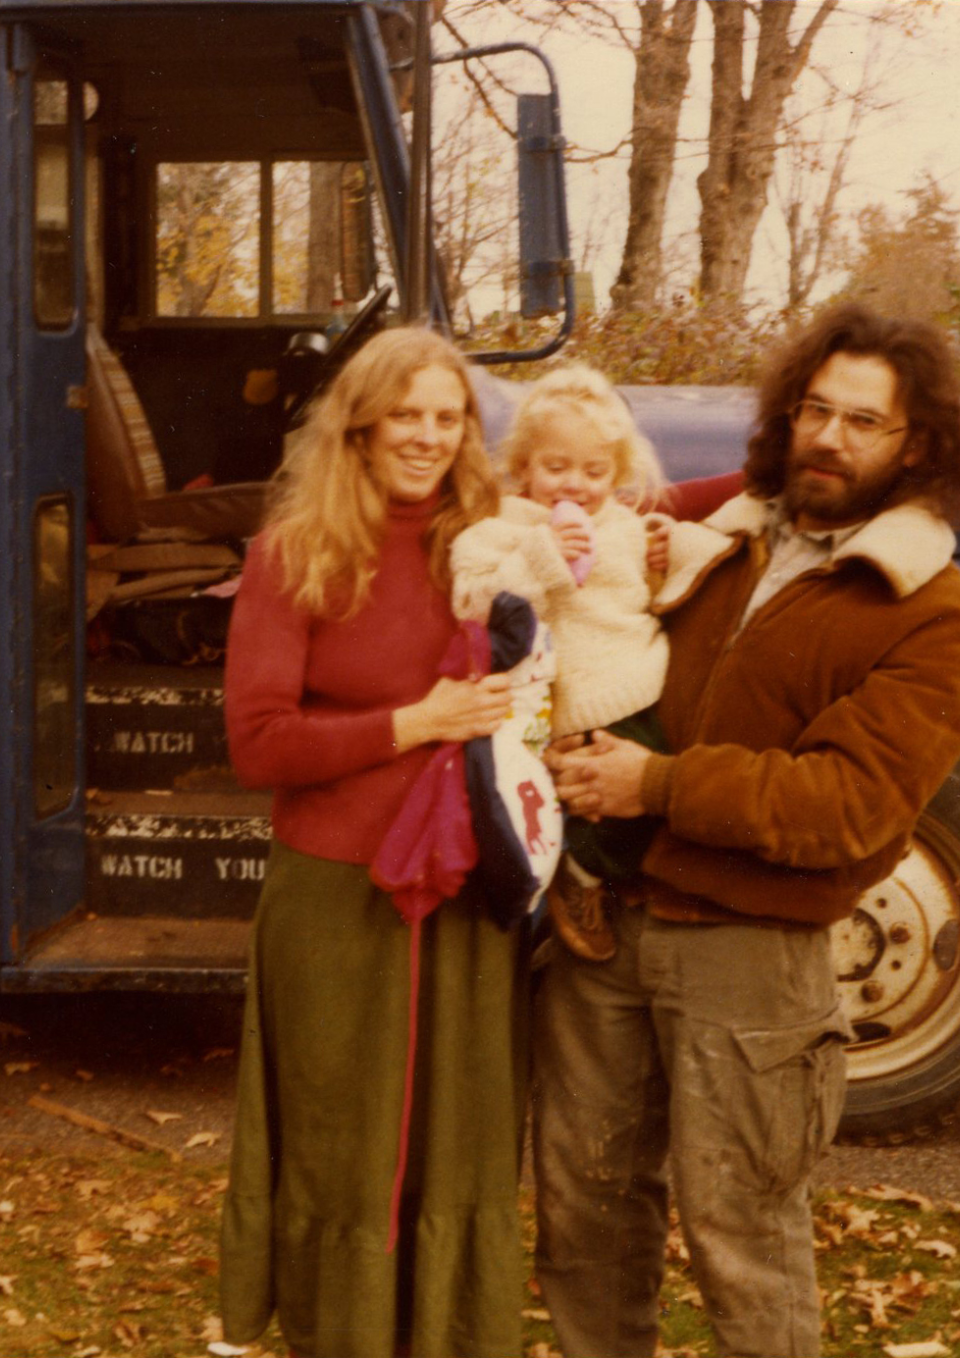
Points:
point(415, 444)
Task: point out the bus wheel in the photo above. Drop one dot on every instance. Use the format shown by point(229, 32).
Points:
point(898, 968)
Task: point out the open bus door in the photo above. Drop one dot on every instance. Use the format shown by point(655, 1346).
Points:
point(41, 560)
point(245, 191)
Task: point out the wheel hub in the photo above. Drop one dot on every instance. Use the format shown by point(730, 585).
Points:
point(896, 960)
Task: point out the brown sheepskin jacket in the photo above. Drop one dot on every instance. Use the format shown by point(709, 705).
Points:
point(807, 744)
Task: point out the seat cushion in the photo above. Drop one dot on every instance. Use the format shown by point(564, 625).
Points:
point(214, 511)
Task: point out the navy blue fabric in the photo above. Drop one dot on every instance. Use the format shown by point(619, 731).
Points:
point(512, 627)
point(503, 868)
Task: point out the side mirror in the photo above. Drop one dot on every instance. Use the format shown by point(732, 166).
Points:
point(544, 241)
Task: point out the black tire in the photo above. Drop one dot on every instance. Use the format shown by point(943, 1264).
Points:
point(899, 973)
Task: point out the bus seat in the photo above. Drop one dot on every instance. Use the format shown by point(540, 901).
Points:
point(126, 485)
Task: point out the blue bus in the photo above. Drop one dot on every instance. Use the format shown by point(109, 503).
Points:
point(204, 206)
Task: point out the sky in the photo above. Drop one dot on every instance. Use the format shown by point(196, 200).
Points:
point(917, 79)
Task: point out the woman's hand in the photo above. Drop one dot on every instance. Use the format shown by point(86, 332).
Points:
point(454, 709)
point(601, 779)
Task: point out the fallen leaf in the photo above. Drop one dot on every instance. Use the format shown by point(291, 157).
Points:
point(87, 1187)
point(212, 1330)
point(927, 1348)
point(161, 1118)
point(141, 1226)
point(20, 1067)
point(85, 1075)
point(856, 1221)
point(6, 1284)
point(64, 1336)
point(202, 1139)
point(162, 1202)
point(942, 1249)
point(692, 1298)
point(90, 1240)
point(888, 1193)
point(93, 1261)
point(14, 1317)
point(129, 1335)
point(536, 1315)
point(218, 1053)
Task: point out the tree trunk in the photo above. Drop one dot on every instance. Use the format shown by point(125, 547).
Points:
point(743, 134)
point(660, 83)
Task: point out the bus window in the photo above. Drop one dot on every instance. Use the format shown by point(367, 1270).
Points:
point(214, 231)
point(208, 238)
point(320, 232)
point(53, 287)
point(54, 674)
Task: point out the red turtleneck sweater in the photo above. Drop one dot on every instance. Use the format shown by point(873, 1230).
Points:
point(309, 701)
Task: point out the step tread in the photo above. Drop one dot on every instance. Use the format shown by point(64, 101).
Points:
point(107, 806)
point(107, 674)
point(149, 943)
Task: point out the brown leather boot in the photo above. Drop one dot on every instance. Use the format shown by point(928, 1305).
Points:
point(578, 914)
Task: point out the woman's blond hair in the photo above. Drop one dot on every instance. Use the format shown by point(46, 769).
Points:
point(584, 391)
point(327, 515)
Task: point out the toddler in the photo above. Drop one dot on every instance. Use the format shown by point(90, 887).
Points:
point(589, 566)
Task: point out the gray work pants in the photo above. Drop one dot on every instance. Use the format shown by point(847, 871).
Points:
point(723, 1045)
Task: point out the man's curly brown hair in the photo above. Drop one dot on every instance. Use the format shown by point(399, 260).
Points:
point(928, 387)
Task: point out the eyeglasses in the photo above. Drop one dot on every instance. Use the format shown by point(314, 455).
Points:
point(861, 429)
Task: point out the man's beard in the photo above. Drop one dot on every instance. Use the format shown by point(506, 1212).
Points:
point(848, 500)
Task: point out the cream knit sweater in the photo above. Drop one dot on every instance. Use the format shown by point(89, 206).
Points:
point(611, 650)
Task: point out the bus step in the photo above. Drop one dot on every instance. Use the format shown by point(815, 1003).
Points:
point(143, 953)
point(149, 727)
point(202, 855)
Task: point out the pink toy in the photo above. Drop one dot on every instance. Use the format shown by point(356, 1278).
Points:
point(566, 511)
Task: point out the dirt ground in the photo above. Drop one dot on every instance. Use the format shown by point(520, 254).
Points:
point(163, 1067)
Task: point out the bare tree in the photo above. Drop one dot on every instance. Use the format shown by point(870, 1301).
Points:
point(742, 140)
point(817, 139)
point(474, 201)
point(760, 50)
point(659, 88)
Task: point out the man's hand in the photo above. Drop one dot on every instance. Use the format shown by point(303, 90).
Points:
point(602, 779)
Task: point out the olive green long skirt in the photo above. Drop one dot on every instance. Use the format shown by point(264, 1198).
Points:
point(307, 1214)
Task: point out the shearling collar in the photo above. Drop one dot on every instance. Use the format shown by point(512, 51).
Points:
point(908, 544)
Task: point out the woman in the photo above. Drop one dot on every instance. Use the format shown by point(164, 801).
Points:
point(373, 1223)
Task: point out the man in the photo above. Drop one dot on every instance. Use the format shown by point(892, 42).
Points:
point(813, 708)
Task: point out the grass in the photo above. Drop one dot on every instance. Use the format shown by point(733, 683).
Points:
point(104, 1257)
